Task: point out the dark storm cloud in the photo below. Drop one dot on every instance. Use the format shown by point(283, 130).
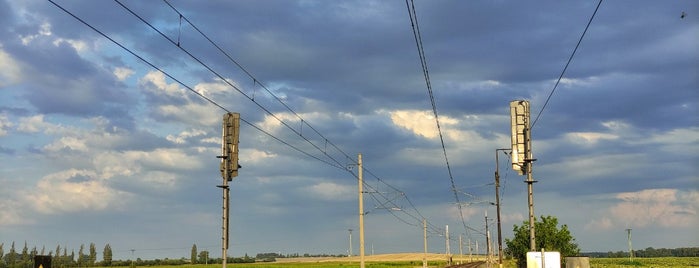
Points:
point(88, 89)
point(345, 66)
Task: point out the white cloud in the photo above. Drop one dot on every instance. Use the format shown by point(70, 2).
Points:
point(160, 179)
point(604, 223)
point(131, 163)
point(192, 113)
point(589, 138)
point(78, 45)
point(122, 73)
point(677, 141)
point(5, 124)
point(44, 30)
point(217, 87)
point(421, 123)
point(184, 135)
point(599, 166)
point(159, 85)
point(273, 125)
point(10, 70)
point(669, 208)
point(32, 124)
point(11, 213)
point(332, 191)
point(69, 143)
point(253, 155)
point(73, 190)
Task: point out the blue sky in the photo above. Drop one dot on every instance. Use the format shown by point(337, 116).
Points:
point(98, 147)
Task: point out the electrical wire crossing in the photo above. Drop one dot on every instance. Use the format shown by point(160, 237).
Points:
point(423, 62)
point(567, 64)
point(332, 162)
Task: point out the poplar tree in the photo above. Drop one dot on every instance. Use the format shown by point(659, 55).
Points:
point(25, 255)
point(93, 254)
point(107, 255)
point(81, 259)
point(56, 260)
point(11, 256)
point(193, 257)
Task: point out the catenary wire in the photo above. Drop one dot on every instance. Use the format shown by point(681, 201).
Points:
point(566, 66)
point(423, 62)
point(187, 86)
point(338, 165)
point(254, 79)
point(297, 132)
point(258, 82)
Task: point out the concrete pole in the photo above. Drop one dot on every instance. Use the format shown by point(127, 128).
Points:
point(448, 253)
point(487, 238)
point(361, 212)
point(424, 242)
point(530, 181)
point(628, 237)
point(461, 248)
point(349, 252)
point(497, 204)
point(224, 224)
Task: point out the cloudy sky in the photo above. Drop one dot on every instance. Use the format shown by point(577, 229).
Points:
point(99, 146)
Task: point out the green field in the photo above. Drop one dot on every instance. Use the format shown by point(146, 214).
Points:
point(310, 265)
point(665, 262)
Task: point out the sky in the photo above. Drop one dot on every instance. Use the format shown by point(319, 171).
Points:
point(110, 135)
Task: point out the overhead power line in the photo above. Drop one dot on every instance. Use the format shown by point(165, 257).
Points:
point(336, 163)
point(566, 66)
point(423, 62)
point(185, 85)
point(258, 82)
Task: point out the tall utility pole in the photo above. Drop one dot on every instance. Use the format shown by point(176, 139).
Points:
point(448, 253)
point(522, 156)
point(349, 252)
point(628, 237)
point(361, 211)
point(487, 238)
point(461, 248)
point(497, 203)
point(424, 242)
point(229, 170)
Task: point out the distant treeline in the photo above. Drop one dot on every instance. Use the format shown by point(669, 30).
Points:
point(87, 256)
point(269, 257)
point(648, 253)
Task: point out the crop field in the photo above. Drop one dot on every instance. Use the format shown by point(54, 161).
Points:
point(438, 261)
point(664, 262)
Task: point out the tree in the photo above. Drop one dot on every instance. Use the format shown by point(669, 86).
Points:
point(204, 256)
point(93, 254)
point(25, 256)
point(193, 257)
point(55, 262)
point(81, 256)
point(548, 237)
point(12, 256)
point(107, 255)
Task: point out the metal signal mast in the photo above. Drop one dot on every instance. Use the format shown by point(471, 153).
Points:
point(522, 155)
point(229, 170)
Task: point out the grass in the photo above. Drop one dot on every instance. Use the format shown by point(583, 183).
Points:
point(665, 262)
point(324, 264)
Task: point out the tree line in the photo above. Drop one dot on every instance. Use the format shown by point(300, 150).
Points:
point(60, 258)
point(648, 253)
